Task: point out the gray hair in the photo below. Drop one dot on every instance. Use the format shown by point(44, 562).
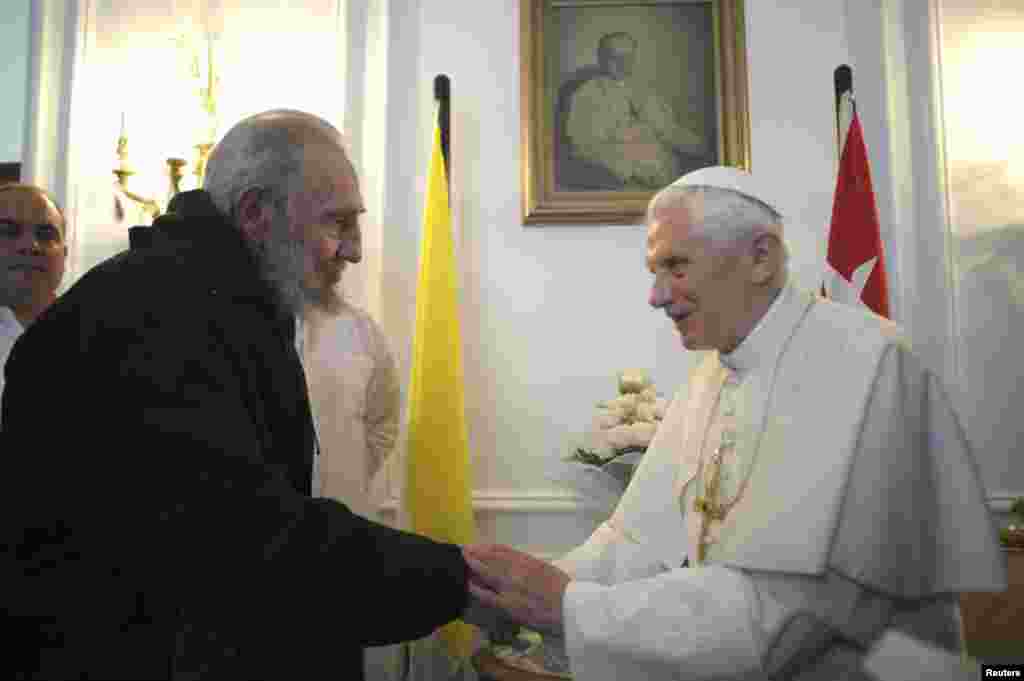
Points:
point(268, 153)
point(265, 151)
point(728, 218)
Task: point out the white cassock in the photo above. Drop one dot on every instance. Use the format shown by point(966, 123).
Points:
point(863, 510)
point(355, 398)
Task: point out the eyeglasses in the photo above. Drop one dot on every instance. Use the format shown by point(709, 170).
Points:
point(45, 234)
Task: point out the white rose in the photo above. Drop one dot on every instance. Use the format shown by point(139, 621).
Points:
point(633, 381)
point(627, 405)
point(620, 437)
point(645, 412)
point(641, 434)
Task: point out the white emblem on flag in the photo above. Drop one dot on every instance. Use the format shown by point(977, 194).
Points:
point(850, 292)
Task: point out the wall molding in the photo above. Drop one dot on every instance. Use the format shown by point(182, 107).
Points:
point(1000, 500)
point(520, 501)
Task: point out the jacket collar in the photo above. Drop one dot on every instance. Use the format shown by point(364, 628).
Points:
point(194, 223)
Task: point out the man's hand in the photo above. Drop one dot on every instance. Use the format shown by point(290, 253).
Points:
point(527, 589)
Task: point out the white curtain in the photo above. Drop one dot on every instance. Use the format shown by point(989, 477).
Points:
point(980, 50)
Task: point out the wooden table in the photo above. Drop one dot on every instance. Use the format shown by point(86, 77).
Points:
point(994, 622)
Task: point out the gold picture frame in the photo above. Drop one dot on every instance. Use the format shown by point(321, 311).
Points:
point(606, 119)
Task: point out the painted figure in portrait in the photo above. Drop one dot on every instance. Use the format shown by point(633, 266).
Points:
point(615, 127)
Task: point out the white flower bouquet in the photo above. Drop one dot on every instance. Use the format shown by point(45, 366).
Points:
point(601, 463)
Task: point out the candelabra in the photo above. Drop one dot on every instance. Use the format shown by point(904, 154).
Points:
point(198, 118)
point(175, 172)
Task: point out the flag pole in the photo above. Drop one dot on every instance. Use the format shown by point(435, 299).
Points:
point(854, 258)
point(443, 95)
point(843, 80)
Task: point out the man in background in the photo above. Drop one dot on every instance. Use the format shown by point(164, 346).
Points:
point(159, 450)
point(33, 252)
point(809, 488)
point(355, 398)
point(353, 383)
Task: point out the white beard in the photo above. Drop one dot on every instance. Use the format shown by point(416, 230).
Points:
point(282, 260)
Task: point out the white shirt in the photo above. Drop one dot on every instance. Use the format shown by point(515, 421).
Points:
point(10, 329)
point(355, 397)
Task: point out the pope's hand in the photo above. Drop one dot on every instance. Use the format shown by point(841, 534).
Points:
point(527, 589)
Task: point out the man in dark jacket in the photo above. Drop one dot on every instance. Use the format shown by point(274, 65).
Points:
point(158, 448)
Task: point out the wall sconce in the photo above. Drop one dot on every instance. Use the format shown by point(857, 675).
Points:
point(199, 120)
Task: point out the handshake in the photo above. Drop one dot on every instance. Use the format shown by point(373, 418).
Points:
point(509, 588)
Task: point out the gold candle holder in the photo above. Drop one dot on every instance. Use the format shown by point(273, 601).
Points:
point(202, 155)
point(148, 205)
point(175, 170)
point(124, 171)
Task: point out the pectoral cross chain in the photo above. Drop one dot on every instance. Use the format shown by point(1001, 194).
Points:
point(708, 505)
point(710, 508)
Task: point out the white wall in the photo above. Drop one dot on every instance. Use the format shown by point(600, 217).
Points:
point(14, 34)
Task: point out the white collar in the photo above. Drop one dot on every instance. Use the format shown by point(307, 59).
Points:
point(9, 321)
point(766, 339)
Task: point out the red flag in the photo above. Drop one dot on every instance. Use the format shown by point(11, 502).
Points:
point(855, 267)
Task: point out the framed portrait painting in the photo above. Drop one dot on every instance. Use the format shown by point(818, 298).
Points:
point(620, 98)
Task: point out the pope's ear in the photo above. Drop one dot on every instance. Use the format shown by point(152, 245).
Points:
point(254, 214)
point(767, 254)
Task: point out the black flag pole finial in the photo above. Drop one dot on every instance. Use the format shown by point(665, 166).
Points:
point(443, 94)
point(843, 81)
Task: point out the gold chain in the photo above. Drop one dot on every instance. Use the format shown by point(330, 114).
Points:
point(707, 504)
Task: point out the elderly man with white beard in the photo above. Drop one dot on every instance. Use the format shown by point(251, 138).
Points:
point(809, 489)
point(159, 450)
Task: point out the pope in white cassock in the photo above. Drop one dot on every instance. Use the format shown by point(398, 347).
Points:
point(809, 488)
